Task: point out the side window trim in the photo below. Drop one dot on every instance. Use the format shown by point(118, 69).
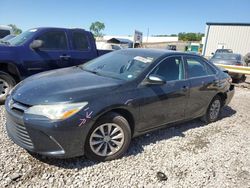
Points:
point(183, 67)
point(66, 38)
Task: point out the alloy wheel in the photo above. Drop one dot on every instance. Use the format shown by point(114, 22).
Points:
point(107, 139)
point(215, 109)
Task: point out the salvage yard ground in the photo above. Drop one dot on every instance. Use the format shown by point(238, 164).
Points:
point(190, 154)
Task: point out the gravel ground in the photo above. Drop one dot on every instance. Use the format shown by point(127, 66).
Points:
point(190, 154)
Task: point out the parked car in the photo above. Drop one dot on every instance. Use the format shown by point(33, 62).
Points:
point(43, 49)
point(171, 47)
point(96, 108)
point(230, 59)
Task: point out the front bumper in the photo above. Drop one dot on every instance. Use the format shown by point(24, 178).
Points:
point(64, 139)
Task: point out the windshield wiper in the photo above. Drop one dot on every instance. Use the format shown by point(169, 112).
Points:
point(87, 70)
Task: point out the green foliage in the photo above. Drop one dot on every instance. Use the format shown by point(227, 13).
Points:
point(190, 36)
point(15, 29)
point(96, 28)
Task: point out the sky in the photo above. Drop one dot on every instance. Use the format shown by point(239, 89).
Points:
point(123, 17)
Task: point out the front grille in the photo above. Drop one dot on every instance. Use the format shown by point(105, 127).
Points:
point(15, 126)
point(19, 134)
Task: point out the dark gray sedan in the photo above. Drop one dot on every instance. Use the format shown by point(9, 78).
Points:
point(230, 59)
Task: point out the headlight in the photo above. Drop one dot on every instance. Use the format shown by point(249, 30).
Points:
point(56, 112)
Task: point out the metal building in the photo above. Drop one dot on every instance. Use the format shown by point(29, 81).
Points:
point(235, 36)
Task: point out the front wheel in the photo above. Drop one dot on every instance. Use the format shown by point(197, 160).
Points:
point(6, 84)
point(213, 111)
point(109, 138)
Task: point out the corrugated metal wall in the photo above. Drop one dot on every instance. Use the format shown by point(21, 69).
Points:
point(236, 38)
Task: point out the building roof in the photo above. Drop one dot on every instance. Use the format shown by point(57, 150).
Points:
point(228, 24)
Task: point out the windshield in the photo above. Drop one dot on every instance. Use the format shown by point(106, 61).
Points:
point(22, 38)
point(122, 64)
point(227, 56)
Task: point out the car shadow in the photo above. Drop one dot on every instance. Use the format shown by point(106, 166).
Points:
point(137, 144)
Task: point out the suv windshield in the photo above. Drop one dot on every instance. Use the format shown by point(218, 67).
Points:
point(122, 64)
point(227, 56)
point(22, 38)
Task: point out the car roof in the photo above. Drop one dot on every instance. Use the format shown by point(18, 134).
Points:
point(61, 28)
point(157, 52)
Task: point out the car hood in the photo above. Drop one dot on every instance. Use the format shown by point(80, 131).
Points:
point(63, 85)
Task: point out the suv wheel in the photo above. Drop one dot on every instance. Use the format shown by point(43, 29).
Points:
point(109, 138)
point(213, 111)
point(6, 84)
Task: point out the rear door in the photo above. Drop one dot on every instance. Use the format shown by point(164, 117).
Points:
point(203, 85)
point(53, 54)
point(165, 103)
point(81, 48)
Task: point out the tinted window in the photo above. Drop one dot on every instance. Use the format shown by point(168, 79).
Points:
point(196, 67)
point(4, 33)
point(80, 41)
point(210, 70)
point(54, 40)
point(171, 69)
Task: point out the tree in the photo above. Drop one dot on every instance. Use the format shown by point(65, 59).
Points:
point(96, 28)
point(15, 29)
point(190, 36)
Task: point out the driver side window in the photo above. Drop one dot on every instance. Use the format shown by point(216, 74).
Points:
point(171, 69)
point(54, 40)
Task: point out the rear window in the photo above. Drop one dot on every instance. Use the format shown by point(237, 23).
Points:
point(80, 41)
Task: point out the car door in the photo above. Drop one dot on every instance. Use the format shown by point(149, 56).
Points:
point(165, 103)
point(81, 49)
point(53, 54)
point(203, 85)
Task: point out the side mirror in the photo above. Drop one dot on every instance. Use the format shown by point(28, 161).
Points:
point(212, 53)
point(36, 44)
point(155, 79)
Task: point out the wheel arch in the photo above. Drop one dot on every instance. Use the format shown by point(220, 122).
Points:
point(10, 69)
point(123, 112)
point(223, 97)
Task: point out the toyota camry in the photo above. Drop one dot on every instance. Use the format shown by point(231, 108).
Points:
point(95, 109)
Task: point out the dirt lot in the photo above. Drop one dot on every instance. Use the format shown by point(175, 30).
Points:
point(190, 154)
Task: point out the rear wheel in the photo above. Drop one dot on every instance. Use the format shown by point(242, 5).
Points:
point(213, 111)
point(6, 84)
point(109, 138)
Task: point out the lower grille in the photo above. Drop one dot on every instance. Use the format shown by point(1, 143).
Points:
point(19, 134)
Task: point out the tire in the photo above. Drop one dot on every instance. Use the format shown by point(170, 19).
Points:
point(116, 142)
point(6, 84)
point(214, 110)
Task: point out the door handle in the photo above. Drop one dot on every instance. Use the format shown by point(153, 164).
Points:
point(65, 57)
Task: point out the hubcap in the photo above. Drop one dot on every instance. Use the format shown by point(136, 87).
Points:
point(4, 87)
point(107, 139)
point(215, 109)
